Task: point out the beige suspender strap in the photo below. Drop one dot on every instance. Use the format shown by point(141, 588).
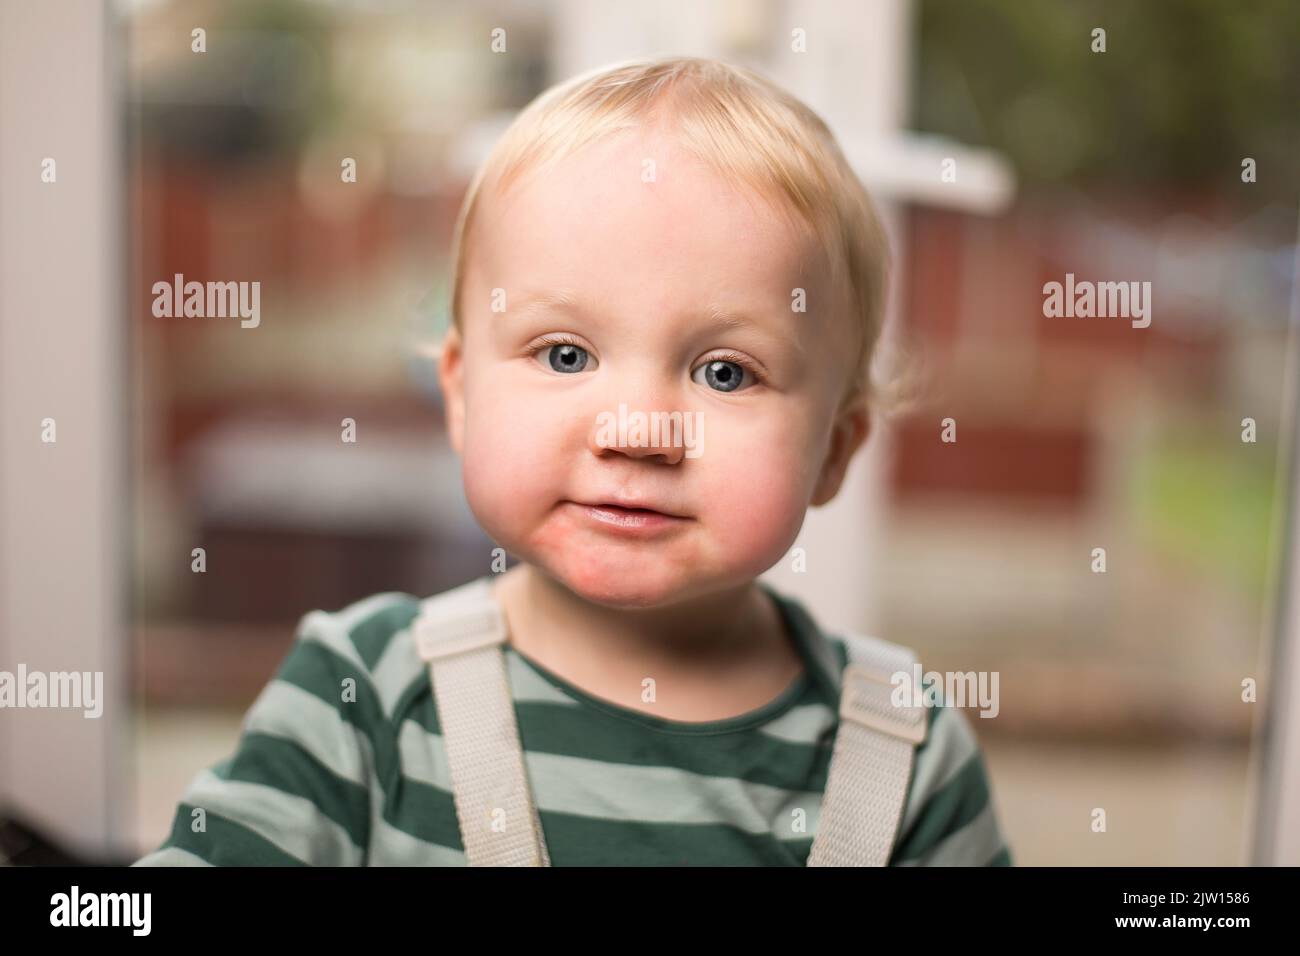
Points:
point(871, 764)
point(460, 633)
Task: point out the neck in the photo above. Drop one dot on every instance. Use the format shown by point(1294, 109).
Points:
point(734, 622)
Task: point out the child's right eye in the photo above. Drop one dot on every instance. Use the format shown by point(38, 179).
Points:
point(562, 355)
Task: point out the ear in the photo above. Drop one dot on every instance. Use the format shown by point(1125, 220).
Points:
point(852, 424)
point(451, 379)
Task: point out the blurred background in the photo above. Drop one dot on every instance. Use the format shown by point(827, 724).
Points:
point(1120, 689)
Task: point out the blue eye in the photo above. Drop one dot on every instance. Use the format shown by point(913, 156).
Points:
point(565, 357)
point(721, 375)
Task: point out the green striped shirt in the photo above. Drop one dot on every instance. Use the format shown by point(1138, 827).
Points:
point(325, 777)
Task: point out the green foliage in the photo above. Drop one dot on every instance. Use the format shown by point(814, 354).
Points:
point(1209, 500)
point(1184, 91)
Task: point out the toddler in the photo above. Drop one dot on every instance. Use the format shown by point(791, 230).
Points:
point(667, 288)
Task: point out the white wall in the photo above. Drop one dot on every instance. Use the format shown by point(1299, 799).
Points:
point(63, 520)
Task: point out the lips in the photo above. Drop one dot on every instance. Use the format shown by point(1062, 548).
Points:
point(630, 508)
point(622, 519)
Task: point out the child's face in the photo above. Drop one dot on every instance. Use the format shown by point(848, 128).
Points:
point(645, 264)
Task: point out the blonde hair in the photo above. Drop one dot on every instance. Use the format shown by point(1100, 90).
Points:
point(741, 124)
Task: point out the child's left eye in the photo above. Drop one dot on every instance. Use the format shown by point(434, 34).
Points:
point(723, 375)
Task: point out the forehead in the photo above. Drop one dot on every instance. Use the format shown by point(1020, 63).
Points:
point(637, 214)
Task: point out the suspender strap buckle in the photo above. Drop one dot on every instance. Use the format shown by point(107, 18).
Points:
point(867, 700)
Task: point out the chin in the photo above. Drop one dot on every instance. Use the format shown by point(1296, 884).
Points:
point(618, 587)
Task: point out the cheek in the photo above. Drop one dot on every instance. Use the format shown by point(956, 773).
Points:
point(510, 461)
point(756, 493)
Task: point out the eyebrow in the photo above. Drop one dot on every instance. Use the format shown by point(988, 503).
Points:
point(540, 301)
point(740, 321)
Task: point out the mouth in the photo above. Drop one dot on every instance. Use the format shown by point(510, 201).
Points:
point(631, 507)
point(628, 517)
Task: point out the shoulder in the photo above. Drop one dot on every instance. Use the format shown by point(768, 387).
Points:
point(374, 639)
point(949, 816)
point(368, 640)
point(947, 733)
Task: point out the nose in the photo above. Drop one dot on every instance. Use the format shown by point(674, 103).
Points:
point(654, 432)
